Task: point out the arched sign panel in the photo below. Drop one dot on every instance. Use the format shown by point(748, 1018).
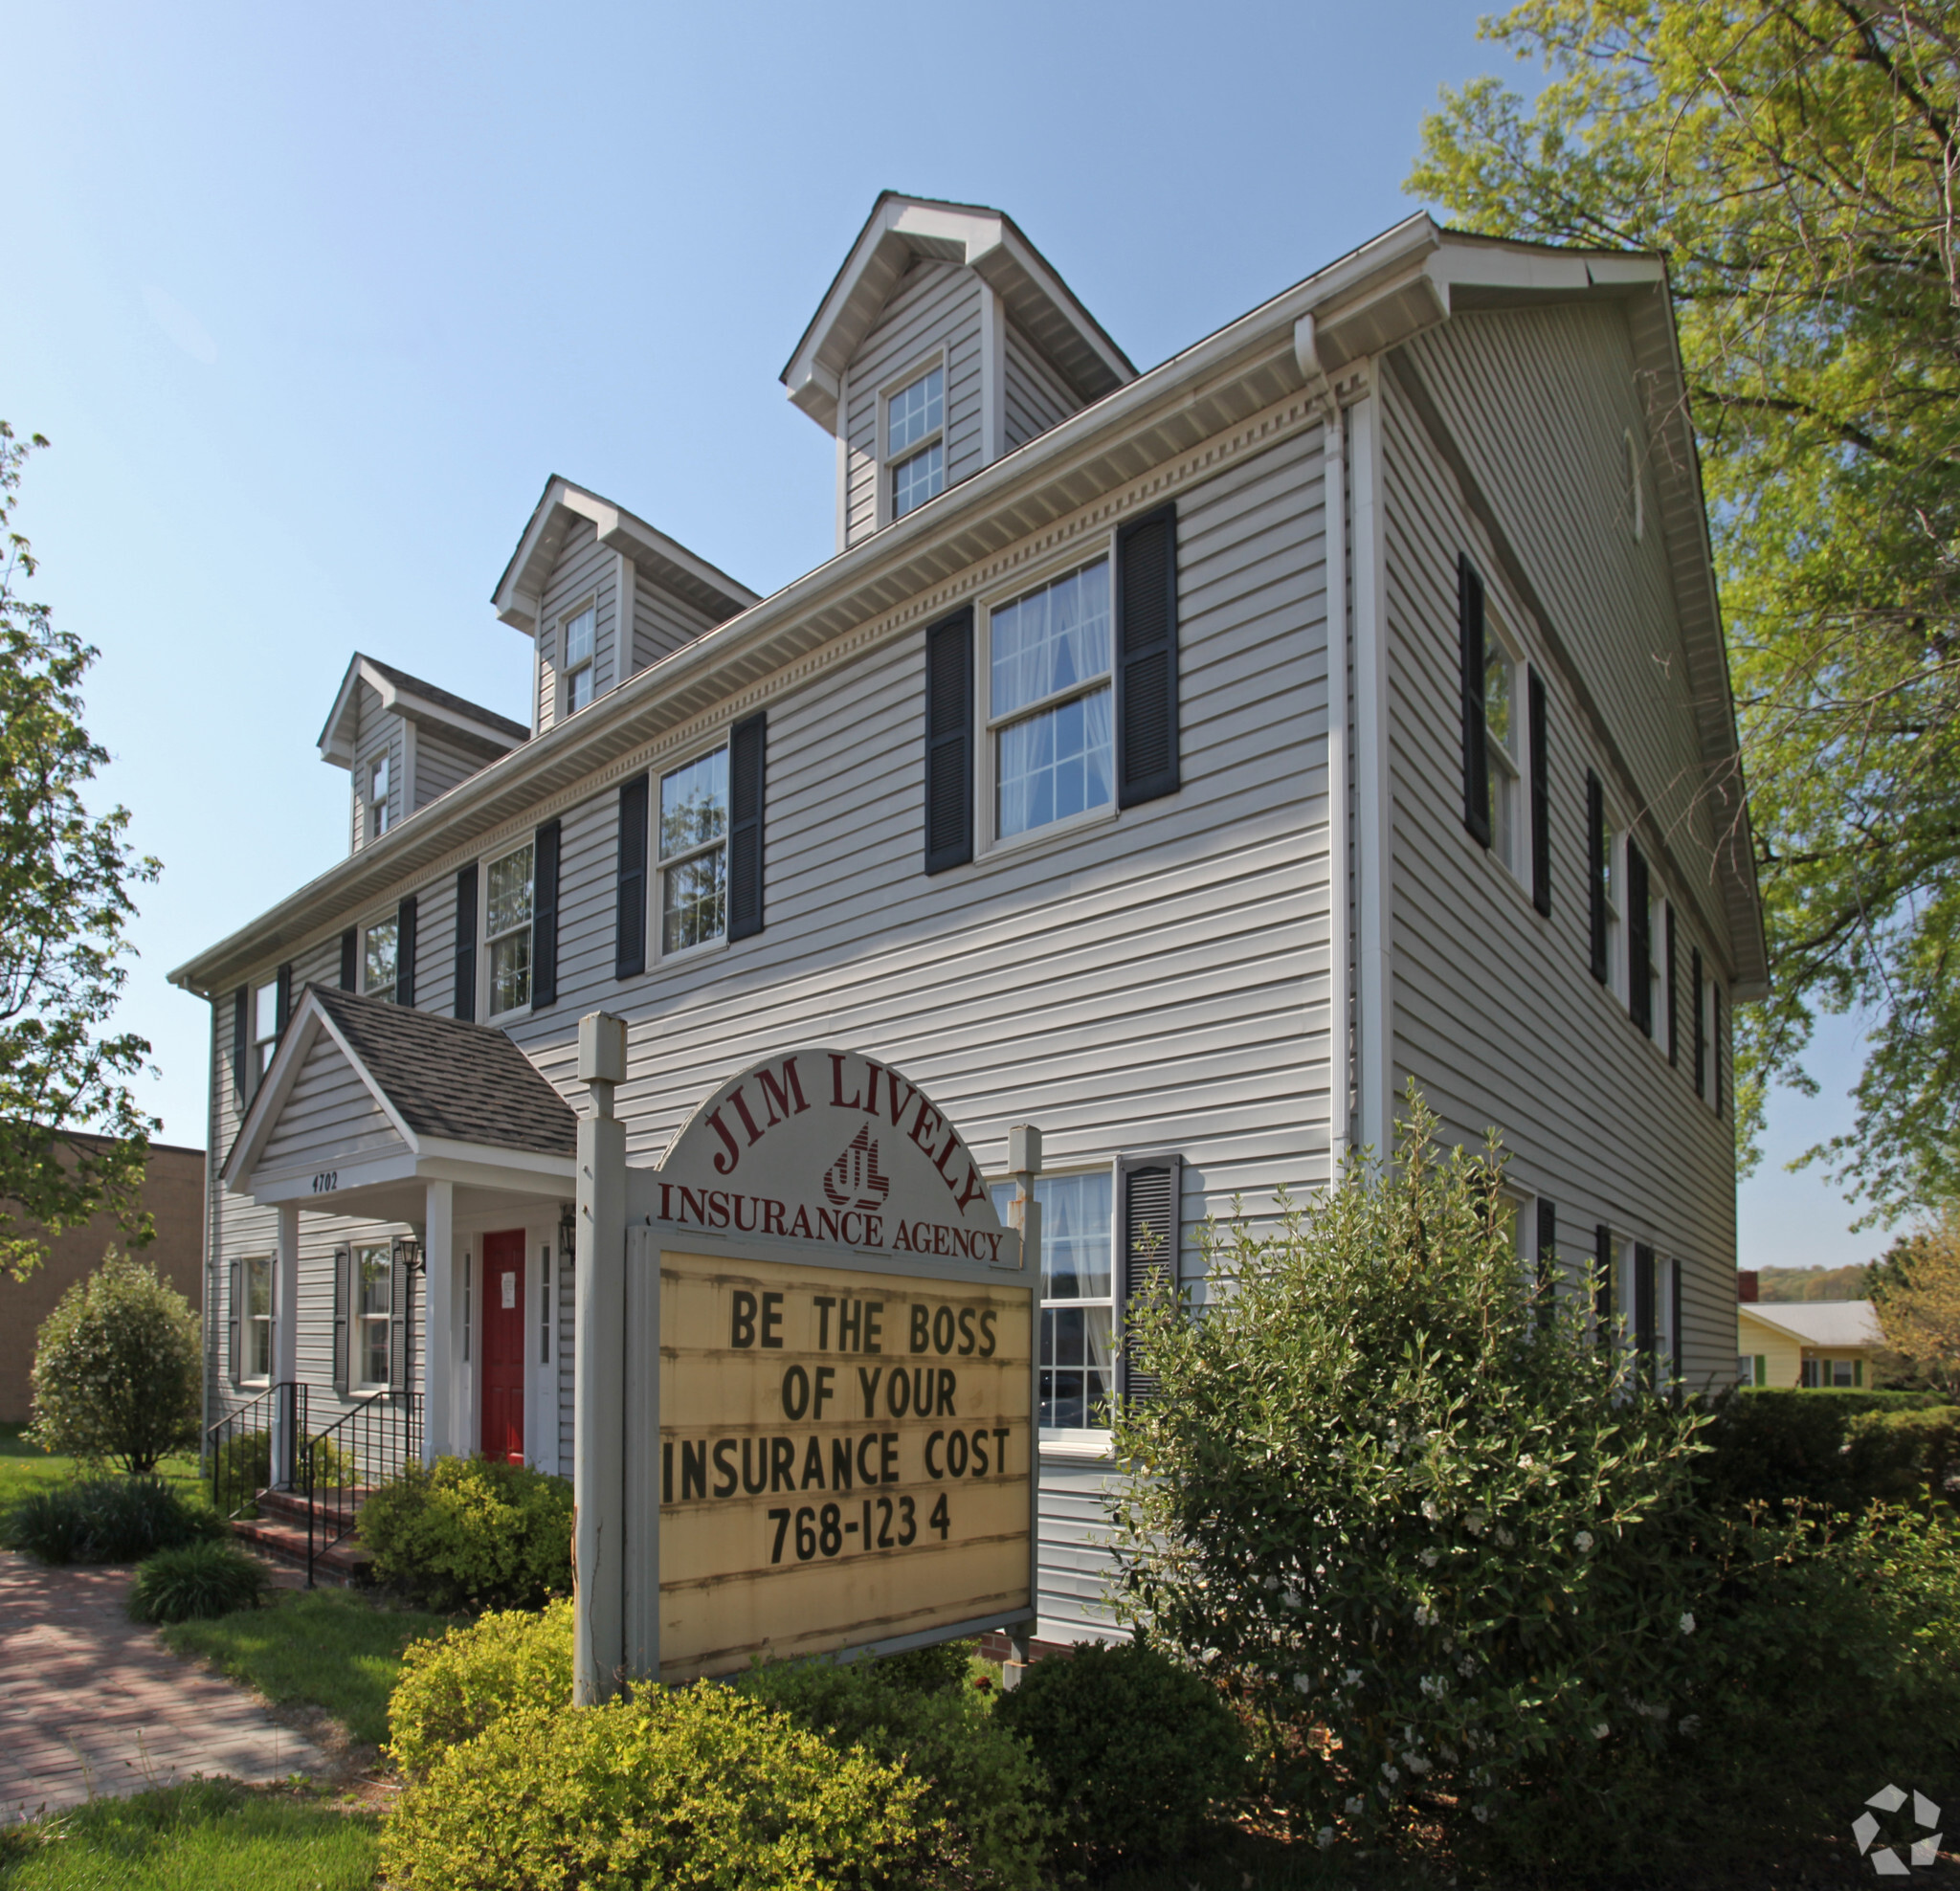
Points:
point(829, 1392)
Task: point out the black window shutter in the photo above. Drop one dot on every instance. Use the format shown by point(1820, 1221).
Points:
point(950, 743)
point(1639, 943)
point(344, 1294)
point(1547, 1259)
point(1715, 1018)
point(1673, 994)
point(747, 747)
point(1470, 656)
point(1147, 734)
point(241, 1043)
point(1602, 1284)
point(629, 885)
point(465, 999)
point(1701, 1023)
point(1151, 1193)
point(284, 998)
point(545, 849)
point(1595, 871)
point(405, 952)
point(1643, 1308)
point(1674, 1317)
point(234, 1316)
point(401, 1289)
point(1541, 794)
point(350, 960)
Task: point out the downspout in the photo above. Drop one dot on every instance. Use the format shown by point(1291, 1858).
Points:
point(1375, 1051)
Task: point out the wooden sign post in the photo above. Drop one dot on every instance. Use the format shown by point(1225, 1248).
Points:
point(811, 1347)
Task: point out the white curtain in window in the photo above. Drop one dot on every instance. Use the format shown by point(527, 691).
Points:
point(1051, 640)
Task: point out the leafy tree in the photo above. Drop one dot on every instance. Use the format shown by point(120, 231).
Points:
point(1795, 161)
point(65, 877)
point(1916, 1289)
point(116, 1367)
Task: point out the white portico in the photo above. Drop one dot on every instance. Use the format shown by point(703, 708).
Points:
point(428, 1149)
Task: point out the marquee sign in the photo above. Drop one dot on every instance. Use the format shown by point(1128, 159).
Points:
point(827, 1393)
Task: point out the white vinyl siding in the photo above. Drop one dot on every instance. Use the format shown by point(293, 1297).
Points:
point(586, 572)
point(379, 741)
point(1036, 398)
point(441, 765)
point(663, 623)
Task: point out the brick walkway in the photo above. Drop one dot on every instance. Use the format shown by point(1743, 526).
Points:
point(91, 1705)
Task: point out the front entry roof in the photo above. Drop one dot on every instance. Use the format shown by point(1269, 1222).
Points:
point(362, 1095)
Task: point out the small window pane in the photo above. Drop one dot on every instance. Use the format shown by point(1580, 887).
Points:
point(265, 1012)
point(1052, 639)
point(378, 972)
point(510, 891)
point(1057, 762)
point(258, 1288)
point(579, 692)
point(1498, 716)
point(1077, 1375)
point(693, 804)
point(694, 901)
point(917, 479)
point(1075, 1236)
point(915, 411)
point(578, 638)
point(510, 972)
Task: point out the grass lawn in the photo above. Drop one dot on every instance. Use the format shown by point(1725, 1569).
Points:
point(332, 1648)
point(26, 1467)
point(192, 1838)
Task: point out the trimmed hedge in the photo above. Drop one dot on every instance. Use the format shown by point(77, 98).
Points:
point(472, 1533)
point(1838, 1451)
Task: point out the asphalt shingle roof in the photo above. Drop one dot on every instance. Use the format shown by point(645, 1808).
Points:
point(467, 1082)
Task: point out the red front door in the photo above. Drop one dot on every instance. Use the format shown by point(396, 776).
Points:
point(503, 1346)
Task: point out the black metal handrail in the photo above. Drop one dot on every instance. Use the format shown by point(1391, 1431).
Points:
point(363, 1448)
point(252, 1449)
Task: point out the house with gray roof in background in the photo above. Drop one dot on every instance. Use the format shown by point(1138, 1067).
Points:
point(1181, 760)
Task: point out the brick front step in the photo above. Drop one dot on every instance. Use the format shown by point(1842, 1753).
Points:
point(290, 1507)
point(286, 1540)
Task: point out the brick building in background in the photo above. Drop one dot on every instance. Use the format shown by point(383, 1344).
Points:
point(173, 1192)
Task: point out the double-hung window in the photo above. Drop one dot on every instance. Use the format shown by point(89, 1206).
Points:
point(379, 958)
point(265, 1026)
point(915, 441)
point(507, 929)
point(577, 661)
point(694, 852)
point(1051, 705)
point(1501, 720)
point(371, 1284)
point(256, 1326)
point(377, 800)
point(1078, 1298)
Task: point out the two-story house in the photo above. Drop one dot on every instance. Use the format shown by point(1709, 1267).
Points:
point(1179, 761)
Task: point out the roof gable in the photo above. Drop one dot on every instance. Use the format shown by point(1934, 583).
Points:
point(903, 229)
point(1819, 1322)
point(480, 730)
point(665, 561)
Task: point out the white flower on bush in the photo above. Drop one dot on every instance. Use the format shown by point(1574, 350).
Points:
point(1429, 1509)
point(1304, 1682)
point(1429, 1557)
point(1434, 1687)
point(1325, 1838)
point(1418, 1764)
point(1504, 1537)
point(1687, 1622)
point(1356, 1805)
point(1584, 1542)
point(1391, 1773)
point(1425, 1616)
point(1350, 1677)
point(1528, 1463)
point(1449, 1753)
point(1480, 1812)
point(1269, 1582)
point(1476, 1523)
point(1690, 1724)
point(1466, 1667)
point(1600, 1731)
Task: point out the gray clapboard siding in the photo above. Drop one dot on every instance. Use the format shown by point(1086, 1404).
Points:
point(1036, 398)
point(1073, 1603)
point(661, 622)
point(377, 733)
point(586, 572)
point(329, 1113)
point(1539, 402)
point(935, 305)
point(439, 766)
point(1496, 1016)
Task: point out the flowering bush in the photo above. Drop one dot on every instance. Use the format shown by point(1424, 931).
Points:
point(1431, 1534)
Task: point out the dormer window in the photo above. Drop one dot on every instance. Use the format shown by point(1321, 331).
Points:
point(579, 667)
point(915, 441)
point(377, 800)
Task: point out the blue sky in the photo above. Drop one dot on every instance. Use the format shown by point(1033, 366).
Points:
point(311, 302)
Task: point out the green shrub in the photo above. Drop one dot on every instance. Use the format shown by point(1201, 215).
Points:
point(104, 1520)
point(196, 1580)
point(1388, 1502)
point(699, 1787)
point(1909, 1452)
point(983, 1820)
point(938, 1666)
point(456, 1687)
point(117, 1369)
point(1139, 1754)
point(241, 1468)
point(1832, 1450)
point(472, 1533)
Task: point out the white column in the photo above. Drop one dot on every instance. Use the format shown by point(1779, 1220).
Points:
point(599, 1370)
point(440, 1389)
point(285, 1335)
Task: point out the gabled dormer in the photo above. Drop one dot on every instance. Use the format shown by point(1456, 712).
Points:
point(946, 340)
point(405, 742)
point(602, 594)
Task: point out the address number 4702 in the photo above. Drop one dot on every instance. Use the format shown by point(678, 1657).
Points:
point(821, 1531)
